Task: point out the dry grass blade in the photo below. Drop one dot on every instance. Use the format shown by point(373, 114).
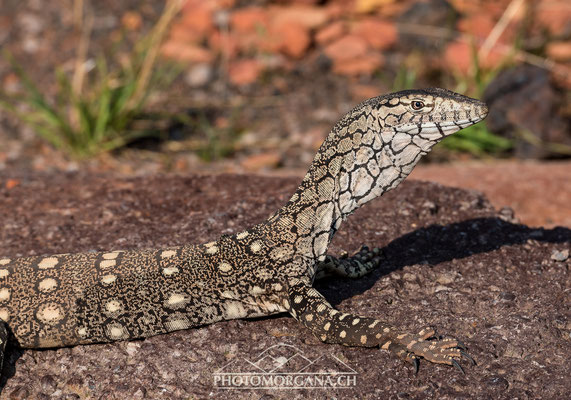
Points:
point(508, 15)
point(529, 58)
point(97, 108)
point(171, 10)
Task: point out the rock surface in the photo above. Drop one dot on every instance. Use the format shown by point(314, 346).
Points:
point(449, 260)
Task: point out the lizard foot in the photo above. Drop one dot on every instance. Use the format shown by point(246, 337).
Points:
point(427, 345)
point(355, 266)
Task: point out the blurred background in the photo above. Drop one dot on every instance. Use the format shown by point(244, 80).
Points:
point(138, 87)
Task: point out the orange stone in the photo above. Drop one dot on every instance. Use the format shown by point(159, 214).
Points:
point(393, 10)
point(367, 6)
point(478, 25)
point(224, 43)
point(186, 52)
point(198, 18)
point(559, 51)
point(261, 161)
point(131, 20)
point(459, 57)
point(379, 34)
point(12, 183)
point(291, 39)
point(306, 16)
point(554, 18)
point(330, 32)
point(180, 33)
point(249, 20)
point(362, 65)
point(244, 72)
point(349, 46)
point(364, 92)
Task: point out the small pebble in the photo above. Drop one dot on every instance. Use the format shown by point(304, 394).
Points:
point(496, 381)
point(560, 255)
point(199, 75)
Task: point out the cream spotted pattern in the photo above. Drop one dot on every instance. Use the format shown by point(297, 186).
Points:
point(84, 298)
point(47, 285)
point(48, 262)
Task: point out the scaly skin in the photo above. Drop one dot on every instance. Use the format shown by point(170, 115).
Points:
point(71, 299)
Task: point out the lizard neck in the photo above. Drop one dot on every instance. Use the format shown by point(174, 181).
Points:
point(352, 167)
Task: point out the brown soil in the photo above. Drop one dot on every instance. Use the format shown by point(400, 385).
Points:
point(449, 260)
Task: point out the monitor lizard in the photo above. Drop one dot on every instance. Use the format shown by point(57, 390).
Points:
point(71, 299)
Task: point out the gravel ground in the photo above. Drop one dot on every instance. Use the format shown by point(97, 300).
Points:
point(449, 260)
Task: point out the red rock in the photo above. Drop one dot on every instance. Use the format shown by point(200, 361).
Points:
point(180, 33)
point(362, 65)
point(226, 44)
point(364, 92)
point(306, 2)
point(466, 7)
point(11, 83)
point(260, 161)
point(198, 18)
point(306, 16)
point(131, 20)
point(378, 34)
point(349, 46)
point(291, 39)
point(553, 17)
point(559, 51)
point(495, 9)
point(367, 6)
point(337, 10)
point(11, 183)
point(186, 52)
point(249, 19)
point(330, 32)
point(393, 10)
point(225, 4)
point(478, 25)
point(459, 57)
point(244, 72)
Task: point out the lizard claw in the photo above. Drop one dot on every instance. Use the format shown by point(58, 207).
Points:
point(428, 345)
point(457, 366)
point(416, 363)
point(467, 356)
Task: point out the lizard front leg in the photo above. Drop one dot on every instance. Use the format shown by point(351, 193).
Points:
point(355, 266)
point(310, 308)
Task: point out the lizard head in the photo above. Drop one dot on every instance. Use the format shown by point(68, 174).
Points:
point(424, 117)
point(407, 124)
point(390, 134)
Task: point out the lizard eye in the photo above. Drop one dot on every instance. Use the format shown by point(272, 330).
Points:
point(417, 105)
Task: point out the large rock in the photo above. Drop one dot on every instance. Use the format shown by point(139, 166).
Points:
point(449, 260)
point(525, 106)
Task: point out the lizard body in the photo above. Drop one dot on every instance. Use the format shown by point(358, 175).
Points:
point(70, 299)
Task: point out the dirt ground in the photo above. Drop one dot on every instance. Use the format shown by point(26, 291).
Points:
point(450, 260)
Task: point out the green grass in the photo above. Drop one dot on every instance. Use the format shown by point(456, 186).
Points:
point(477, 140)
point(95, 111)
point(216, 140)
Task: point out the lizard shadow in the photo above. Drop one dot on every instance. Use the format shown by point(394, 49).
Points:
point(8, 368)
point(435, 244)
